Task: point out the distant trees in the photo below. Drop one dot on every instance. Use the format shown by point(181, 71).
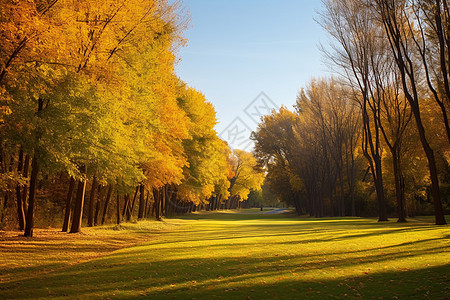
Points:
point(392, 58)
point(246, 177)
point(310, 154)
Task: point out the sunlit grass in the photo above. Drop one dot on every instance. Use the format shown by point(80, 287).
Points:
point(241, 256)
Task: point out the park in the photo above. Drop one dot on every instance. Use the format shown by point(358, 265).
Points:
point(193, 149)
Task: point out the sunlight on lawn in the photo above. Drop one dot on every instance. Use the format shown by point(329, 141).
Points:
point(227, 256)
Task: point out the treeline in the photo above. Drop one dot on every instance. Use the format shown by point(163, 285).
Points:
point(90, 102)
point(375, 139)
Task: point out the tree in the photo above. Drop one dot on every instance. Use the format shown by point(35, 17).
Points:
point(350, 23)
point(206, 153)
point(275, 152)
point(400, 31)
point(247, 176)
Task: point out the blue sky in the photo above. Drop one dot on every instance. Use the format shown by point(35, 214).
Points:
point(238, 49)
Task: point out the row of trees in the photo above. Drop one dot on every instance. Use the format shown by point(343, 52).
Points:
point(389, 106)
point(90, 100)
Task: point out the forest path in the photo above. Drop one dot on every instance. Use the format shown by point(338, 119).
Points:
point(226, 255)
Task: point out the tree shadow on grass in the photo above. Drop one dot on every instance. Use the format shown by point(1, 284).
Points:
point(127, 282)
point(220, 260)
point(146, 272)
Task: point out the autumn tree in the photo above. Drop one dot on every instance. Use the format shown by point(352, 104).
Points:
point(275, 149)
point(247, 177)
point(405, 28)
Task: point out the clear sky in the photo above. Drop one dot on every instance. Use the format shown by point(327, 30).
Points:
point(240, 48)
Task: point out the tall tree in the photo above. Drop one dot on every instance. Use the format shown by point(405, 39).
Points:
point(351, 25)
point(399, 29)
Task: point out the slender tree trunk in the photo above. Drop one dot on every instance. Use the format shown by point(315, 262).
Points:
point(156, 194)
point(399, 185)
point(97, 211)
point(374, 160)
point(209, 206)
point(166, 201)
point(79, 202)
point(20, 210)
point(219, 202)
point(33, 180)
point(26, 166)
point(98, 204)
point(107, 199)
point(146, 207)
point(92, 202)
point(118, 209)
point(5, 205)
point(134, 201)
point(352, 185)
point(142, 203)
point(380, 191)
point(128, 207)
point(215, 203)
point(154, 207)
point(68, 205)
point(163, 201)
point(435, 191)
point(125, 209)
point(297, 207)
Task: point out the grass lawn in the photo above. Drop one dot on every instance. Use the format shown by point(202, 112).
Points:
point(232, 256)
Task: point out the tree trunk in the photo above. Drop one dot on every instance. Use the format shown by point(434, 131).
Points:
point(438, 210)
point(105, 208)
point(134, 201)
point(92, 202)
point(20, 209)
point(33, 180)
point(163, 201)
point(215, 201)
point(380, 192)
point(79, 202)
point(68, 205)
point(5, 204)
point(97, 210)
point(30, 215)
point(118, 209)
point(146, 207)
point(153, 211)
point(26, 166)
point(166, 200)
point(156, 195)
point(297, 207)
point(142, 203)
point(352, 186)
point(125, 209)
point(399, 185)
